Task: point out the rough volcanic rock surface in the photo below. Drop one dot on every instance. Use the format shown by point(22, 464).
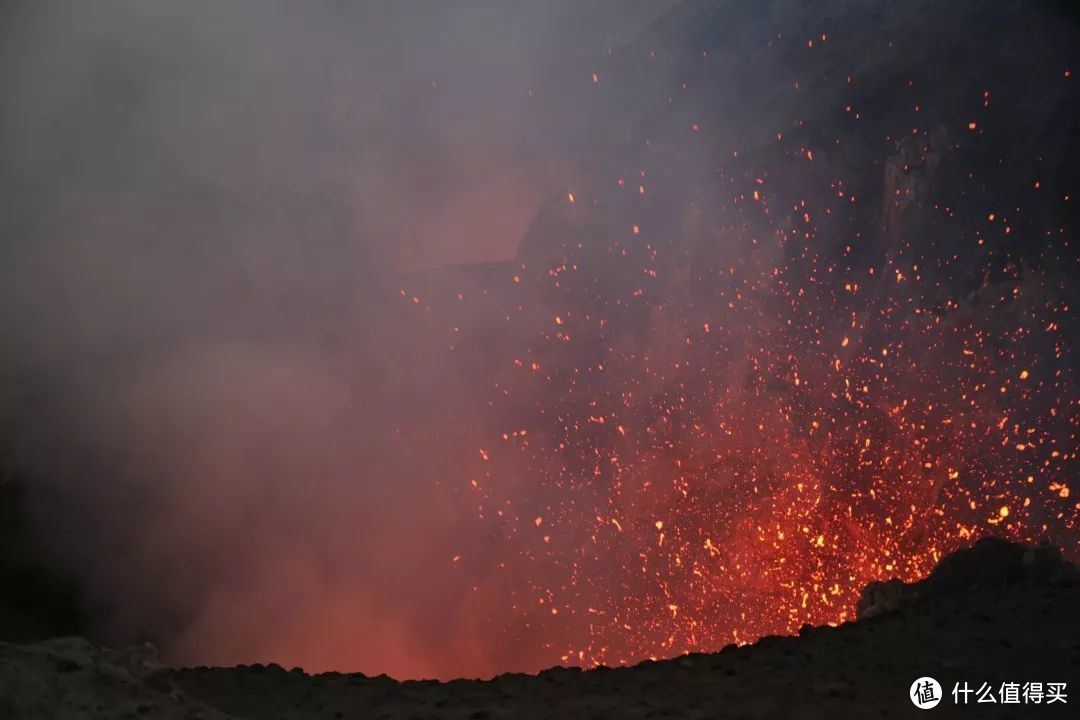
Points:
point(995, 626)
point(71, 679)
point(991, 564)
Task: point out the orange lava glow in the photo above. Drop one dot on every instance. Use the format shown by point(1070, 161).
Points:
point(767, 457)
point(775, 443)
point(748, 409)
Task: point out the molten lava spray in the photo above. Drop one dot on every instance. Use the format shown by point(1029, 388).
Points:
point(738, 392)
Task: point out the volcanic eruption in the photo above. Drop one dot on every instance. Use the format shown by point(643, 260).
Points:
point(791, 312)
point(790, 334)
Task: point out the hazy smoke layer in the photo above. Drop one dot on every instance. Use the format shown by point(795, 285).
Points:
point(236, 435)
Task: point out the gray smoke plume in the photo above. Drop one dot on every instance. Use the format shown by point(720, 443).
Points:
point(236, 433)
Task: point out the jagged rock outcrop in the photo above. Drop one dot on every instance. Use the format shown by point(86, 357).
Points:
point(995, 612)
point(990, 564)
point(71, 679)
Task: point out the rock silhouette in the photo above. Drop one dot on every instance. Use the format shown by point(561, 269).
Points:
point(994, 613)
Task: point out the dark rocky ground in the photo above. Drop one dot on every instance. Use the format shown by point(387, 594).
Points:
point(996, 613)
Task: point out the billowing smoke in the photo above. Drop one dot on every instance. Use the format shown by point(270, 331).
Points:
point(234, 431)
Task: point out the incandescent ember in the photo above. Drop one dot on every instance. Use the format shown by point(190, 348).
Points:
point(755, 368)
